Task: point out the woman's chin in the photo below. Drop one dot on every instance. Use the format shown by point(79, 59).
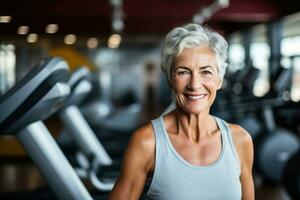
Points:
point(194, 110)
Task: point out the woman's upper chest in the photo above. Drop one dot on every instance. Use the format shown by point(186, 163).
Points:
point(202, 152)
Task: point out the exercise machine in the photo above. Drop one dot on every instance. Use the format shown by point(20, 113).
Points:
point(34, 98)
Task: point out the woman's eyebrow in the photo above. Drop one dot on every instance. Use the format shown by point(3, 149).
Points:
point(181, 67)
point(206, 67)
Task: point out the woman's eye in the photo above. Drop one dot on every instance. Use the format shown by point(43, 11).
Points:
point(206, 72)
point(180, 73)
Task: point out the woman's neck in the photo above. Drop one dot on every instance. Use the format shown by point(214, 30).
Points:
point(196, 127)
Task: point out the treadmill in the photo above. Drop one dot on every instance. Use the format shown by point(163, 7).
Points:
point(34, 98)
point(91, 154)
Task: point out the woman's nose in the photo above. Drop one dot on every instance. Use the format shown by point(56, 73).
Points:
point(195, 82)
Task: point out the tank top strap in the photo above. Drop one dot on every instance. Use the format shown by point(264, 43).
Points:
point(228, 140)
point(158, 128)
point(160, 139)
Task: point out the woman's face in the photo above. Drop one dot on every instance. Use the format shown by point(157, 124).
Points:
point(195, 79)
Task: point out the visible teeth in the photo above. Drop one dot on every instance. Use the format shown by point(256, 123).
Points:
point(196, 97)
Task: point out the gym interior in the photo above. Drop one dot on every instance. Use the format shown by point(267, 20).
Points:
point(78, 77)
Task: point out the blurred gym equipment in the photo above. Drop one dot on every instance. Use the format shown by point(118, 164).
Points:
point(91, 154)
point(39, 94)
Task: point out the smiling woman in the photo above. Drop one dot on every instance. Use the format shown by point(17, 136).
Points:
point(195, 79)
point(188, 153)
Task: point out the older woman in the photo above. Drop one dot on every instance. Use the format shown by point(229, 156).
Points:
point(189, 154)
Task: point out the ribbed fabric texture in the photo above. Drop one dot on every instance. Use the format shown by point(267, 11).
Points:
point(176, 179)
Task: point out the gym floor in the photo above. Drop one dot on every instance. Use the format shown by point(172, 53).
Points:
point(20, 175)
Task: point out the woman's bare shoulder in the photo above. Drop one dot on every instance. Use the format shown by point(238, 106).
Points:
point(240, 135)
point(142, 145)
point(144, 137)
point(244, 145)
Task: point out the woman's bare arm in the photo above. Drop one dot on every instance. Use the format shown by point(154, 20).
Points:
point(243, 142)
point(138, 160)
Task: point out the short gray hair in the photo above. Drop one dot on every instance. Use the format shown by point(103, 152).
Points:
point(190, 36)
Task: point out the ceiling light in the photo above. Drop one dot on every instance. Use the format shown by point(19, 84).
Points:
point(51, 28)
point(32, 38)
point(114, 41)
point(223, 3)
point(92, 43)
point(23, 30)
point(70, 39)
point(5, 19)
point(118, 25)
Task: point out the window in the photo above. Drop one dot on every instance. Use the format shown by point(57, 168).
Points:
point(260, 55)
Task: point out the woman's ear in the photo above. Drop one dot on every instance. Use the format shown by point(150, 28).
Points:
point(169, 81)
point(220, 84)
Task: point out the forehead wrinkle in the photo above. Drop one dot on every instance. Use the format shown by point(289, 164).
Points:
point(195, 60)
point(196, 57)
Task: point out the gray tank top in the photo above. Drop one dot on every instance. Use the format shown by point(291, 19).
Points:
point(176, 179)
